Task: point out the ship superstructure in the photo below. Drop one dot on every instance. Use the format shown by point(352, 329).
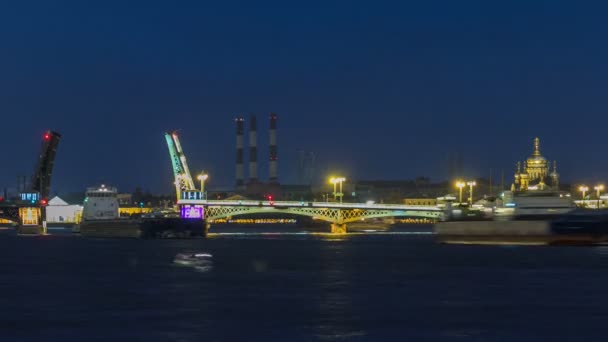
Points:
point(100, 203)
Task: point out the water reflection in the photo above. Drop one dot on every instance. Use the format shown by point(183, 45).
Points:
point(601, 250)
point(337, 316)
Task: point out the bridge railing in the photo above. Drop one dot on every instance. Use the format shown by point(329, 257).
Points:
point(307, 204)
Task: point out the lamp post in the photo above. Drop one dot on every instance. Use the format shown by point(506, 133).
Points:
point(471, 184)
point(583, 189)
point(203, 177)
point(341, 193)
point(335, 181)
point(598, 188)
point(460, 185)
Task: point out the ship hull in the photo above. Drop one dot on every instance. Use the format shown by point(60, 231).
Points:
point(111, 228)
point(566, 230)
point(149, 228)
point(172, 227)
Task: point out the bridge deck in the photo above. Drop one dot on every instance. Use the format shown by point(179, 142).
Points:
point(296, 204)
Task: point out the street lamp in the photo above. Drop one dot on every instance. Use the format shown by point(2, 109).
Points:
point(335, 181)
point(460, 185)
point(598, 188)
point(471, 184)
point(583, 189)
point(203, 177)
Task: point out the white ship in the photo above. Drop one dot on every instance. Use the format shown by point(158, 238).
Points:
point(100, 216)
point(534, 205)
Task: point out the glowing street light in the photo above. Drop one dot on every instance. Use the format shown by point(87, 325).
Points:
point(203, 177)
point(598, 188)
point(335, 181)
point(471, 184)
point(460, 185)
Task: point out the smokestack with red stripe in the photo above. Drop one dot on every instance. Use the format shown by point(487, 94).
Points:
point(273, 149)
point(253, 151)
point(240, 168)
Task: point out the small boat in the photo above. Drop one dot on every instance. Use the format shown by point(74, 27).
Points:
point(193, 259)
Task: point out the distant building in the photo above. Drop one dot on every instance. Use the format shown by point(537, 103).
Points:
point(394, 191)
point(59, 211)
point(296, 192)
point(306, 167)
point(124, 199)
point(420, 201)
point(536, 174)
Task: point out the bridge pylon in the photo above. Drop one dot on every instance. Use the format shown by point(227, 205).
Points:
point(338, 228)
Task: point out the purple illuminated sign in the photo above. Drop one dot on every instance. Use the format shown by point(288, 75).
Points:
point(192, 212)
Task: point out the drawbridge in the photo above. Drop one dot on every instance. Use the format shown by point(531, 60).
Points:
point(181, 172)
point(28, 209)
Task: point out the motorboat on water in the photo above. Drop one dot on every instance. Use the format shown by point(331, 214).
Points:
point(194, 259)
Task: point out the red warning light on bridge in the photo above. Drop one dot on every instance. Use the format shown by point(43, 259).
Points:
point(47, 136)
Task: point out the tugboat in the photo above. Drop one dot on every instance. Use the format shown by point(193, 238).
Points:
point(100, 218)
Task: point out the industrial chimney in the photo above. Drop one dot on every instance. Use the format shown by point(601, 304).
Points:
point(253, 151)
point(273, 149)
point(240, 168)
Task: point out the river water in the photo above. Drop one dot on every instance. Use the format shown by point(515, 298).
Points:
point(299, 287)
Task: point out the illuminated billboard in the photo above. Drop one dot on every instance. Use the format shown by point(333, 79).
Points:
point(193, 212)
point(29, 216)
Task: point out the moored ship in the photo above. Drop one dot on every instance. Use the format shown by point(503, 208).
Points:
point(101, 218)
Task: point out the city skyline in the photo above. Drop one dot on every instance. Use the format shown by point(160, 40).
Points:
point(497, 177)
point(387, 91)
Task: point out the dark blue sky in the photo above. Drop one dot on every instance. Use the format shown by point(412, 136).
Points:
point(376, 89)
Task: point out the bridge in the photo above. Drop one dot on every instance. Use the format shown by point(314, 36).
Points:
point(338, 214)
point(193, 203)
point(28, 211)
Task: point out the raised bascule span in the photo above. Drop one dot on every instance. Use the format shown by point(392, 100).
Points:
point(29, 210)
point(41, 180)
point(181, 172)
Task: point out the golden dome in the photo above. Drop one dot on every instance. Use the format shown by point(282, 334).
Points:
point(536, 159)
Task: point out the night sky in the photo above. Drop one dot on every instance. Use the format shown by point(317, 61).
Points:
point(378, 90)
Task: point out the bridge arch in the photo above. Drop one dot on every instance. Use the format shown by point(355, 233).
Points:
point(219, 212)
point(331, 215)
point(369, 214)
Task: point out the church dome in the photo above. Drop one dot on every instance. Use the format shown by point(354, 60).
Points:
point(536, 159)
